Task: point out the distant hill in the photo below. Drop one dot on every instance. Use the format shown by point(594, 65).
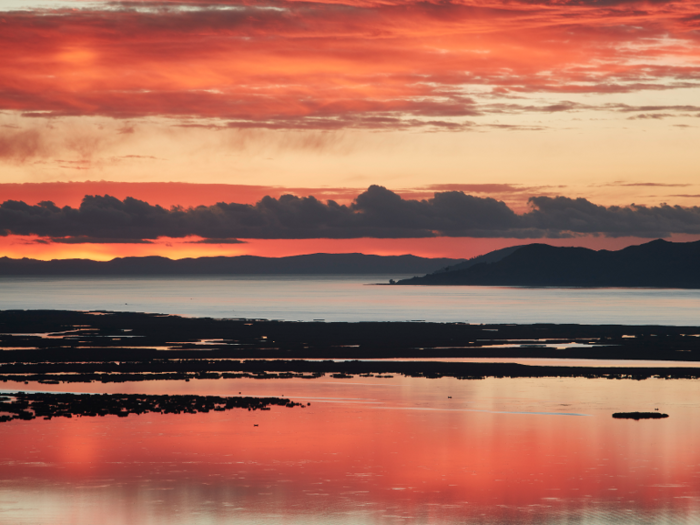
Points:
point(490, 257)
point(314, 264)
point(657, 264)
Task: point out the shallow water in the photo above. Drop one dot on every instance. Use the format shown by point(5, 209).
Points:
point(370, 451)
point(350, 298)
point(367, 450)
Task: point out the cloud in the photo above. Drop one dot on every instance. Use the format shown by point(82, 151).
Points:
point(169, 194)
point(94, 240)
point(487, 188)
point(375, 213)
point(345, 64)
point(561, 214)
point(217, 241)
point(649, 184)
point(22, 145)
point(46, 140)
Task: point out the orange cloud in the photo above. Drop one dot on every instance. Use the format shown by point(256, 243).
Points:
point(322, 65)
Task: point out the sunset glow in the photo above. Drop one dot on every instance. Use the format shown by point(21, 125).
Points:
point(192, 103)
point(311, 262)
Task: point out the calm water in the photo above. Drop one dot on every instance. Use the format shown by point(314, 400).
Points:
point(367, 451)
point(341, 298)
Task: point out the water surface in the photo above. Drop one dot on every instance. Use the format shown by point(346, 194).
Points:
point(367, 451)
point(350, 298)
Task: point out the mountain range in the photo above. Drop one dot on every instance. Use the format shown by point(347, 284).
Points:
point(656, 264)
point(313, 264)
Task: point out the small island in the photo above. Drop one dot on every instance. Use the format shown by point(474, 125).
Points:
point(639, 415)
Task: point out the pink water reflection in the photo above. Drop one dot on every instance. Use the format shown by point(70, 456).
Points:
point(399, 450)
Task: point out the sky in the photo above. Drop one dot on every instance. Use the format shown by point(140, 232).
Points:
point(279, 127)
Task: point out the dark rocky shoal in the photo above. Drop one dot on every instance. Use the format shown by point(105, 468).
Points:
point(27, 406)
point(89, 372)
point(639, 415)
point(53, 346)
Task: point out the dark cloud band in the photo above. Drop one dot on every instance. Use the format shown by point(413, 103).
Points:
point(377, 213)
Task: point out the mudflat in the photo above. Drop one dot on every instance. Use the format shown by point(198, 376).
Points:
point(71, 346)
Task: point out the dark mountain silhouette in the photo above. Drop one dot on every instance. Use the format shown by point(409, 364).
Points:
point(658, 264)
point(490, 257)
point(314, 264)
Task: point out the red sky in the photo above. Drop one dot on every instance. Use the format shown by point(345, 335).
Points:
point(461, 247)
point(329, 65)
point(192, 103)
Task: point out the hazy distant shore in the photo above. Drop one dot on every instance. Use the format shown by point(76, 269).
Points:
point(56, 346)
point(308, 265)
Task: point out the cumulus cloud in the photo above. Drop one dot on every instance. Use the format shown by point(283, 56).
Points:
point(562, 214)
point(377, 212)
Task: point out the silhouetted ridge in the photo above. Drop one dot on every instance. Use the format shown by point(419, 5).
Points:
point(490, 257)
point(314, 264)
point(659, 264)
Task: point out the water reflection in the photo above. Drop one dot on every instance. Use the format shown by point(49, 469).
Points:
point(398, 450)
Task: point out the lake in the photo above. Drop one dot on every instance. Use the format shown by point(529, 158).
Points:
point(351, 298)
point(366, 451)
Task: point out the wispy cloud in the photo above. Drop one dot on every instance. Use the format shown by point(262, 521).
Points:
point(648, 184)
